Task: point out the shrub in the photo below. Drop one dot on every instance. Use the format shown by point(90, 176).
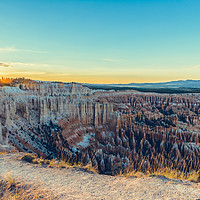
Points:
point(28, 158)
point(33, 159)
point(62, 164)
point(52, 163)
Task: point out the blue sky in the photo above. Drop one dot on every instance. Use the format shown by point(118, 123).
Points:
point(100, 41)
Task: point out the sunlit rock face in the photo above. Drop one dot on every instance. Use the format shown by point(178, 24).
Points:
point(29, 105)
point(110, 130)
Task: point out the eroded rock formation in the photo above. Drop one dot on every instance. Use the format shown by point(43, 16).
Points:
point(110, 130)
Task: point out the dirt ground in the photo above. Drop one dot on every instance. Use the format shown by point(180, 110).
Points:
point(77, 184)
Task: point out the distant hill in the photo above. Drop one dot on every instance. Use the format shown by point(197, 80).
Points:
point(170, 84)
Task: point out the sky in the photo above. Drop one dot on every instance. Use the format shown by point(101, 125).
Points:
point(100, 41)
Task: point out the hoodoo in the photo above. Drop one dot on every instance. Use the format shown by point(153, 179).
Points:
point(111, 130)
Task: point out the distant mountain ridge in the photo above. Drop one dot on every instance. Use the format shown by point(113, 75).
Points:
point(169, 84)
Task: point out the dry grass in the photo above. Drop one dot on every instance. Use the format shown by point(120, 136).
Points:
point(28, 157)
point(12, 189)
point(193, 176)
point(66, 164)
point(91, 168)
point(133, 173)
point(3, 152)
point(53, 163)
point(87, 167)
point(31, 158)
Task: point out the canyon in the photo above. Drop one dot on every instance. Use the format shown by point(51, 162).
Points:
point(111, 130)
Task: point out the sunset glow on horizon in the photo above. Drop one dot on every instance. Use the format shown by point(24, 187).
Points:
point(100, 41)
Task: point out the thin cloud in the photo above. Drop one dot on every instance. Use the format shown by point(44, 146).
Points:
point(114, 60)
point(4, 65)
point(7, 49)
point(196, 66)
point(31, 73)
point(22, 73)
point(24, 64)
point(12, 49)
point(32, 51)
point(28, 64)
point(62, 74)
point(109, 60)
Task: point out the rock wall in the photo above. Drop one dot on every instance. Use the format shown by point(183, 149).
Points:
point(38, 103)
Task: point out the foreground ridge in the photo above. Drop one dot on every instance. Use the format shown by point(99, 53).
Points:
point(77, 184)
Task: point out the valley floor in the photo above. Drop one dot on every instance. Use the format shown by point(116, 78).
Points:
point(76, 184)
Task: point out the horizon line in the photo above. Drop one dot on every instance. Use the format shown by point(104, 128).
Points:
point(101, 83)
